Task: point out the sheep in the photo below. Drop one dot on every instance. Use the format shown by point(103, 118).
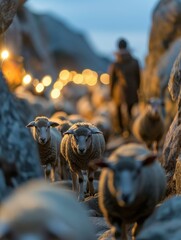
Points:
point(38, 210)
point(48, 139)
point(60, 115)
point(103, 124)
point(82, 143)
point(75, 118)
point(65, 171)
point(131, 183)
point(149, 127)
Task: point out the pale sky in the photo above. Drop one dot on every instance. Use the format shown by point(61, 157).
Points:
point(104, 21)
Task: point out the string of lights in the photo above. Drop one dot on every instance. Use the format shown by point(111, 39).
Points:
point(86, 77)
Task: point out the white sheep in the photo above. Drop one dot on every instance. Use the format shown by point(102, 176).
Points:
point(82, 143)
point(131, 184)
point(38, 210)
point(48, 139)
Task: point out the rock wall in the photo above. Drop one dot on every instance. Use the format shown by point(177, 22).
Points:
point(165, 31)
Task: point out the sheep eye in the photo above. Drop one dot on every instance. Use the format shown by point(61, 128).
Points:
point(88, 137)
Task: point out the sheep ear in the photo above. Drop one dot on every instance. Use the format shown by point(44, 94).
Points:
point(31, 124)
point(53, 124)
point(149, 160)
point(94, 130)
point(70, 131)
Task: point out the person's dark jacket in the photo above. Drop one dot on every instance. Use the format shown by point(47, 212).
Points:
point(125, 78)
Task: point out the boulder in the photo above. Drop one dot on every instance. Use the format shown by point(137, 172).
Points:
point(164, 223)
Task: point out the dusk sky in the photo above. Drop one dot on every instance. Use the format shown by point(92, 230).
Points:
point(104, 21)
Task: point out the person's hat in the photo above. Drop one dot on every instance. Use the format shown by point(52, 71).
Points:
point(122, 43)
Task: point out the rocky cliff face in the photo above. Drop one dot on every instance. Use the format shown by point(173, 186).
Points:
point(164, 45)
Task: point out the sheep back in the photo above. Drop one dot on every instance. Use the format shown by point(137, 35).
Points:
point(50, 152)
point(41, 204)
point(147, 129)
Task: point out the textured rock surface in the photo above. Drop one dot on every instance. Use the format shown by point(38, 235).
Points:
point(166, 22)
point(165, 222)
point(7, 13)
point(16, 143)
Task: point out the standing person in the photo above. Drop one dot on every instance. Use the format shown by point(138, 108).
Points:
point(124, 82)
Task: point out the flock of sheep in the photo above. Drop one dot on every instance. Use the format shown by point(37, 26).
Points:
point(131, 180)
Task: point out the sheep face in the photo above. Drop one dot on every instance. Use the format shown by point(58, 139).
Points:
point(82, 142)
point(156, 107)
point(124, 178)
point(42, 129)
point(82, 136)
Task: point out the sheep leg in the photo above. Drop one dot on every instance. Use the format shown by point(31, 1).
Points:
point(47, 171)
point(155, 147)
point(119, 232)
point(74, 181)
point(118, 229)
point(52, 173)
point(90, 186)
point(137, 227)
point(81, 186)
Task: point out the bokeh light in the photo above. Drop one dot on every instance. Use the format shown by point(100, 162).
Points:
point(58, 84)
point(46, 80)
point(5, 54)
point(55, 93)
point(64, 75)
point(27, 79)
point(105, 78)
point(39, 88)
point(78, 79)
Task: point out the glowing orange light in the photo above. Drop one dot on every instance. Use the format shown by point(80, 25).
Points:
point(39, 88)
point(86, 72)
point(35, 82)
point(78, 79)
point(92, 81)
point(64, 75)
point(105, 78)
point(47, 80)
point(55, 93)
point(4, 54)
point(27, 79)
point(58, 84)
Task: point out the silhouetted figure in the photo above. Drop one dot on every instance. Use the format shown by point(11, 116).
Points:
point(125, 81)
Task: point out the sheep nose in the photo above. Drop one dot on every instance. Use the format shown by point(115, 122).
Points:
point(82, 150)
point(42, 140)
point(125, 197)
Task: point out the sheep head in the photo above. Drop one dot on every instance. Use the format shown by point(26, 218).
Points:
point(42, 129)
point(123, 177)
point(82, 138)
point(156, 107)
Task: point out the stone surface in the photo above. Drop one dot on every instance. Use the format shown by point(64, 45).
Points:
point(166, 22)
point(16, 143)
point(7, 13)
point(164, 223)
